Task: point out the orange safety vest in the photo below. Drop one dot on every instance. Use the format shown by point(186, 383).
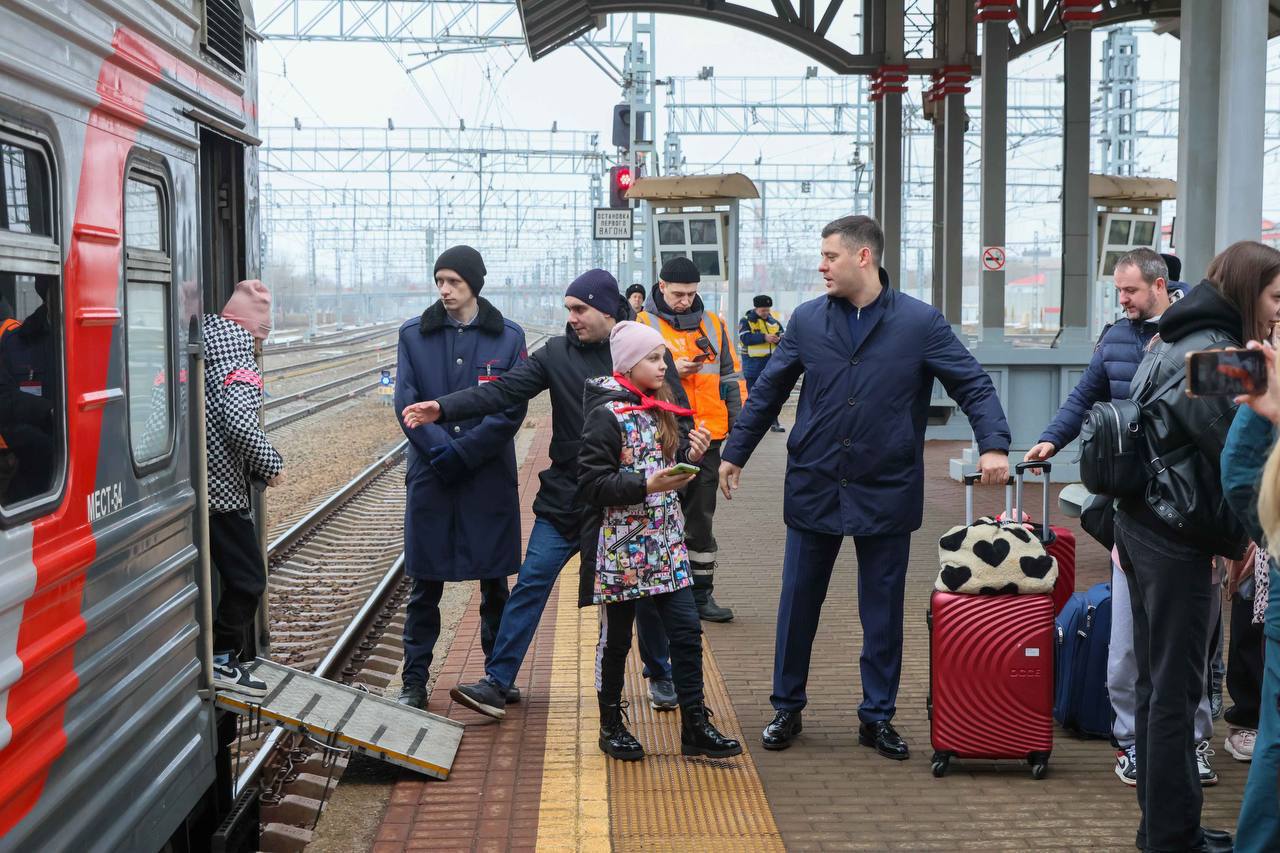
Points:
point(6, 327)
point(703, 388)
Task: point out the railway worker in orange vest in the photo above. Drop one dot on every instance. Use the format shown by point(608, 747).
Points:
point(712, 378)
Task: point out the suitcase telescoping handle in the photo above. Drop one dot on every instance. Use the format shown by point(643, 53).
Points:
point(969, 481)
point(1021, 472)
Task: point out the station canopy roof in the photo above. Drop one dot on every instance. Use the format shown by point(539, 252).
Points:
point(1125, 188)
point(693, 187)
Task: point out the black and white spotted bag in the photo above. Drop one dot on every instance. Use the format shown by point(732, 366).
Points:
point(995, 557)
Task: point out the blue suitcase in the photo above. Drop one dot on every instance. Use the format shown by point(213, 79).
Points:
point(1083, 632)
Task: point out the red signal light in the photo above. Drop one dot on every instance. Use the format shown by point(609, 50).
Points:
point(623, 178)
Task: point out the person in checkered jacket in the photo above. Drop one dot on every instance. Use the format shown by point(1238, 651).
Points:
point(239, 454)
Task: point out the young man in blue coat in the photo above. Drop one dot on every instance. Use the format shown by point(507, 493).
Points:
point(855, 464)
point(462, 517)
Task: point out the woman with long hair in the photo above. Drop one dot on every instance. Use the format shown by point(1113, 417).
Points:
point(1169, 529)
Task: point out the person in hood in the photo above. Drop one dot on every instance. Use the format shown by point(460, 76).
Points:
point(1168, 531)
point(709, 370)
point(238, 451)
point(635, 297)
point(1145, 291)
point(855, 464)
point(561, 366)
point(462, 512)
point(629, 442)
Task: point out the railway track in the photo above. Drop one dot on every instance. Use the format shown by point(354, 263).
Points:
point(335, 587)
point(329, 341)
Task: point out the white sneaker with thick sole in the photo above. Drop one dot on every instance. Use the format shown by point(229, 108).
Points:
point(1127, 765)
point(230, 676)
point(1208, 776)
point(1239, 743)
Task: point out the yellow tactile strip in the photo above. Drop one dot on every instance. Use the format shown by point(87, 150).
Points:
point(669, 802)
point(574, 813)
point(666, 801)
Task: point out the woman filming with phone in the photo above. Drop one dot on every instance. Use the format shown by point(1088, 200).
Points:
point(631, 465)
point(1173, 523)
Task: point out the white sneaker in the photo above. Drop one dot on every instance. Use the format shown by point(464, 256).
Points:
point(1127, 765)
point(230, 676)
point(1208, 776)
point(1239, 743)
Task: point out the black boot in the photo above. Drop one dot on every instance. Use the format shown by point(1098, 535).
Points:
point(708, 609)
point(699, 737)
point(615, 740)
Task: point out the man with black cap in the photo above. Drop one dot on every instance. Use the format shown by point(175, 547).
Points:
point(561, 366)
point(759, 332)
point(712, 378)
point(635, 296)
point(462, 513)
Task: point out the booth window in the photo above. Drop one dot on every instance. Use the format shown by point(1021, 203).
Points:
point(148, 329)
point(696, 236)
point(32, 442)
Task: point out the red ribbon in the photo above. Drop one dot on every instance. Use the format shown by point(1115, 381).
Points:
point(647, 402)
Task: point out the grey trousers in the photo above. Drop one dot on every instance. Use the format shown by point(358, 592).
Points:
point(1122, 666)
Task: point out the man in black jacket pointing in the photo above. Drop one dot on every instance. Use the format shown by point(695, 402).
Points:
point(562, 366)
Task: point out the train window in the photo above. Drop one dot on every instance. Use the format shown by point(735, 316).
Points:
point(24, 180)
point(32, 443)
point(148, 330)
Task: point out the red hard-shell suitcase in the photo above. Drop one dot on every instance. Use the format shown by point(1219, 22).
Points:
point(991, 673)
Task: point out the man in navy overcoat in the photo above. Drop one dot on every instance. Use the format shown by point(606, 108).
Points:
point(855, 462)
point(462, 514)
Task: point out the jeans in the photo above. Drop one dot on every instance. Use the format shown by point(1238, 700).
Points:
point(1258, 830)
point(679, 617)
point(806, 573)
point(1122, 666)
point(237, 557)
point(1170, 590)
point(422, 623)
point(544, 557)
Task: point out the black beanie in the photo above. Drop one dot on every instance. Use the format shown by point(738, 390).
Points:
point(466, 262)
point(637, 288)
point(1174, 266)
point(762, 301)
point(597, 288)
point(679, 270)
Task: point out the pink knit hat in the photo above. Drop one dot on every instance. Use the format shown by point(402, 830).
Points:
point(250, 306)
point(629, 342)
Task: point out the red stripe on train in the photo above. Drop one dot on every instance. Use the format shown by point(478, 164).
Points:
point(63, 546)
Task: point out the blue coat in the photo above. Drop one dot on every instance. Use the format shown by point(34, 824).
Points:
point(462, 519)
point(1119, 350)
point(855, 457)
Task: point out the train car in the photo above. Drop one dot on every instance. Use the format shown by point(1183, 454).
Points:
point(127, 201)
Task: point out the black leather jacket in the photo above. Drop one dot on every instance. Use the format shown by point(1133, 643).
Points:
point(1184, 500)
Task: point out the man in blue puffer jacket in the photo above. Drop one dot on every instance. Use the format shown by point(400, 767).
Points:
point(1145, 290)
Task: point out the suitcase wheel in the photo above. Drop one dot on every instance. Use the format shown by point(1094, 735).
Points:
point(1039, 762)
point(941, 762)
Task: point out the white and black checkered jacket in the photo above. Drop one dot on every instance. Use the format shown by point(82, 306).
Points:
point(237, 446)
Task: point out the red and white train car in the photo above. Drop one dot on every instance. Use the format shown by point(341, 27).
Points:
point(127, 198)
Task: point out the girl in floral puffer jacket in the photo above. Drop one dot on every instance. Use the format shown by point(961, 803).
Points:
point(636, 544)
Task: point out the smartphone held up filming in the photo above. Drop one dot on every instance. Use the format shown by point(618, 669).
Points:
point(1226, 373)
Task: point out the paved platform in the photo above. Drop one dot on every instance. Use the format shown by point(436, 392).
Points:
point(538, 781)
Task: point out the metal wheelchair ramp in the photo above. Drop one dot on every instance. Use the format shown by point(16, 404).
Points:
point(342, 716)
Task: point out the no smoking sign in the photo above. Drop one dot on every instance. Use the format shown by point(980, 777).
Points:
point(993, 258)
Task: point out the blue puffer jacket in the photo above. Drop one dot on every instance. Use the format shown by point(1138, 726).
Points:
point(1115, 359)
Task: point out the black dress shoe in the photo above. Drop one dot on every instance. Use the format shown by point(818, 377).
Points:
point(782, 730)
point(513, 695)
point(1215, 841)
point(886, 740)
